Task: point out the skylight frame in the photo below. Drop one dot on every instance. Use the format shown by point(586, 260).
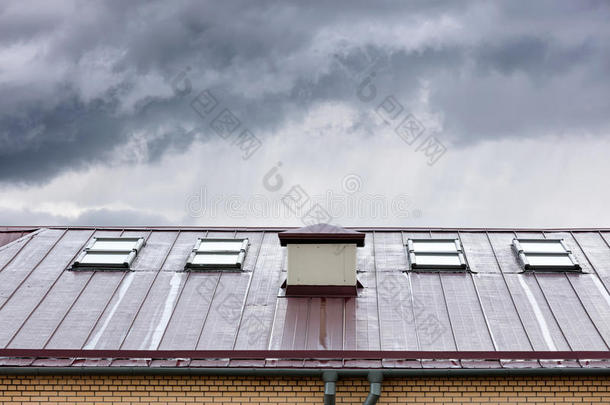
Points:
point(528, 266)
point(130, 254)
point(413, 254)
point(239, 253)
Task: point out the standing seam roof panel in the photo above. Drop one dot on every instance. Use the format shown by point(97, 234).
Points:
point(259, 310)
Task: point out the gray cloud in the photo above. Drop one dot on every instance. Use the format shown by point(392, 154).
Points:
point(99, 217)
point(83, 83)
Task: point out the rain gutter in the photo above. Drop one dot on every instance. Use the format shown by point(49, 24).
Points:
point(301, 372)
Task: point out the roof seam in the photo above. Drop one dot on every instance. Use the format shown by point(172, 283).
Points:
point(377, 288)
point(548, 304)
point(243, 308)
point(133, 320)
point(68, 310)
point(101, 313)
point(179, 294)
point(33, 268)
point(50, 287)
point(589, 259)
point(412, 291)
point(510, 294)
point(476, 291)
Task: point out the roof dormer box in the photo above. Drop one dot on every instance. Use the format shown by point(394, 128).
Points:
point(321, 260)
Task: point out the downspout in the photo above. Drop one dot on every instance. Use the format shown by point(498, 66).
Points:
point(375, 378)
point(330, 387)
point(330, 382)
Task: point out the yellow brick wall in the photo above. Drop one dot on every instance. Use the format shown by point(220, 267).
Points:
point(272, 390)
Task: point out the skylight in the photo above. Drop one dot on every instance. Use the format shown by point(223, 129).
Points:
point(109, 253)
point(545, 254)
point(438, 254)
point(220, 254)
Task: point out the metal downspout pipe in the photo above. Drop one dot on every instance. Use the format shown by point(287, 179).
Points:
point(375, 378)
point(330, 386)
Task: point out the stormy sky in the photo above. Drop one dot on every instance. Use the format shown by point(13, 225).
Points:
point(419, 113)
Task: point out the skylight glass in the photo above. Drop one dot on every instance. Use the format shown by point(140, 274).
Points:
point(220, 246)
point(545, 254)
point(438, 260)
point(105, 258)
point(109, 253)
point(125, 244)
point(434, 246)
point(552, 246)
point(544, 260)
point(439, 254)
point(219, 259)
point(219, 254)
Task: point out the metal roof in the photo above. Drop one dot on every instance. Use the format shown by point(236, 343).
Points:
point(157, 313)
point(8, 235)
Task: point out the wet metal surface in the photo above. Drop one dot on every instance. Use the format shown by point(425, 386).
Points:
point(158, 306)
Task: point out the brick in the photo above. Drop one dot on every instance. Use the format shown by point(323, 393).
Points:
point(183, 390)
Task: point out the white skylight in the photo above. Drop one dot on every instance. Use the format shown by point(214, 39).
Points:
point(220, 245)
point(217, 259)
point(536, 246)
point(104, 258)
point(116, 253)
point(545, 254)
point(219, 254)
point(115, 244)
point(437, 260)
point(431, 245)
point(433, 254)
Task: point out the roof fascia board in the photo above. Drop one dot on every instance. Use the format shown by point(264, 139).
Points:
point(309, 354)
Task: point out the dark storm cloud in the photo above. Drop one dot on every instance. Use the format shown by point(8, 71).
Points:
point(80, 81)
point(527, 87)
point(73, 135)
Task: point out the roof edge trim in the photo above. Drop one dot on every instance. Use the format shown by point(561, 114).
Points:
point(285, 228)
point(309, 354)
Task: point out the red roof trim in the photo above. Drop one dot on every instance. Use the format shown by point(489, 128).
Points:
point(308, 354)
point(321, 233)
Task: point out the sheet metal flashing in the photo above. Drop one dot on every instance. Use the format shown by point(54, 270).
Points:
point(20, 361)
